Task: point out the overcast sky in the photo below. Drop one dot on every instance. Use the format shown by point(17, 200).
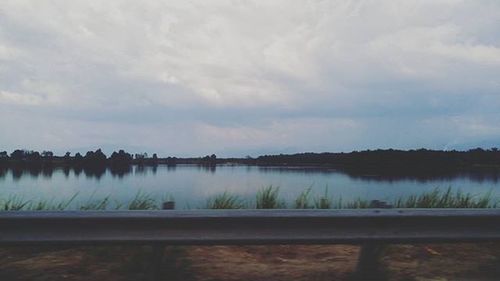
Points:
point(249, 77)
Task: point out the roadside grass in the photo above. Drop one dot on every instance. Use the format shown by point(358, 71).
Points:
point(143, 201)
point(266, 198)
point(446, 199)
point(96, 205)
point(324, 201)
point(303, 201)
point(224, 200)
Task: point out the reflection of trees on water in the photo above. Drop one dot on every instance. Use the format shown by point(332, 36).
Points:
point(66, 171)
point(145, 170)
point(120, 171)
point(140, 170)
point(17, 173)
point(47, 172)
point(97, 172)
point(78, 171)
point(94, 172)
point(483, 175)
point(207, 168)
point(478, 177)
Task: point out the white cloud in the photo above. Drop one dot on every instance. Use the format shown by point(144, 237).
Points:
point(19, 99)
point(8, 53)
point(295, 64)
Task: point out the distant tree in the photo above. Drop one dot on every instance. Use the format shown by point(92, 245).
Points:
point(171, 160)
point(67, 159)
point(78, 157)
point(97, 158)
point(155, 158)
point(47, 154)
point(4, 155)
point(18, 154)
point(120, 157)
point(210, 160)
point(99, 155)
point(141, 156)
point(33, 156)
point(25, 155)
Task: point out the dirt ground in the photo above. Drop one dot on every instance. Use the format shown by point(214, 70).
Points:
point(249, 263)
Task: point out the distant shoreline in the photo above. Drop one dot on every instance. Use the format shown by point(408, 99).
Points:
point(370, 162)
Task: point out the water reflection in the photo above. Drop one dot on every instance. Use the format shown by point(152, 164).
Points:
point(207, 168)
point(121, 171)
point(3, 172)
point(485, 175)
point(192, 184)
point(96, 172)
point(141, 170)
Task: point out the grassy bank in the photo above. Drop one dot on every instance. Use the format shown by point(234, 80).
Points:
point(266, 198)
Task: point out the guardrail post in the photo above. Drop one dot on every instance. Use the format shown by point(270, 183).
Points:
point(369, 265)
point(158, 253)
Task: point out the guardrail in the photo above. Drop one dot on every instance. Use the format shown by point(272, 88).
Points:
point(369, 227)
point(239, 227)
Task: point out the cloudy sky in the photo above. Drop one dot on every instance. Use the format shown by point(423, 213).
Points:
point(249, 77)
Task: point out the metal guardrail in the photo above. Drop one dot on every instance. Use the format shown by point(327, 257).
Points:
point(251, 227)
point(372, 228)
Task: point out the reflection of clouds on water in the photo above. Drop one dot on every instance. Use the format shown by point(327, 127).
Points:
point(190, 185)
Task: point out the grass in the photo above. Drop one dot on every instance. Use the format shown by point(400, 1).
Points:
point(324, 201)
point(17, 203)
point(142, 201)
point(356, 204)
point(266, 198)
point(303, 201)
point(13, 203)
point(446, 199)
point(225, 200)
point(96, 205)
point(51, 206)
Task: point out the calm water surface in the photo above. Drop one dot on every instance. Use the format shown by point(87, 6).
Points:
point(190, 185)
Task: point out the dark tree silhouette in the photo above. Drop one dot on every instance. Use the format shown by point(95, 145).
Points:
point(47, 154)
point(121, 158)
point(18, 155)
point(420, 163)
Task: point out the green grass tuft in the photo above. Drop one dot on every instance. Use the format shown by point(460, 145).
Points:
point(446, 199)
point(268, 198)
point(324, 201)
point(14, 203)
point(142, 201)
point(303, 201)
point(224, 201)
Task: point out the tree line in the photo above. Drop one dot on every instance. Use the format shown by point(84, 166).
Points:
point(381, 161)
point(420, 161)
point(95, 158)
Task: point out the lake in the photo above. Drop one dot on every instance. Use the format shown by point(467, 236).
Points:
point(191, 185)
